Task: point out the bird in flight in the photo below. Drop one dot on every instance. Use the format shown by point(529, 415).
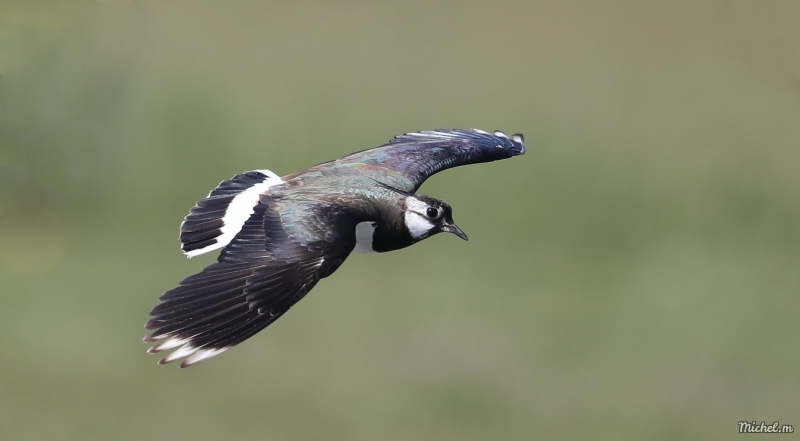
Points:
point(281, 235)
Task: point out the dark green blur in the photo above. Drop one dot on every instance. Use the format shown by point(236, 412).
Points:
point(636, 275)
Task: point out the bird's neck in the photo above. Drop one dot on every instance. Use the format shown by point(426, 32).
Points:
point(391, 232)
point(390, 237)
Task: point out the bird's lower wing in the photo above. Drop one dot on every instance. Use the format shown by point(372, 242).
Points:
point(259, 276)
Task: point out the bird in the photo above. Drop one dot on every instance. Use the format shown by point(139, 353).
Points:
point(280, 235)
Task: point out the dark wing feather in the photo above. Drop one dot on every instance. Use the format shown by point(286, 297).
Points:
point(417, 156)
point(269, 266)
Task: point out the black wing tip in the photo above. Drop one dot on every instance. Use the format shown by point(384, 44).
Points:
point(515, 143)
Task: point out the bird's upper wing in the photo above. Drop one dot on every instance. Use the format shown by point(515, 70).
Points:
point(282, 251)
point(416, 156)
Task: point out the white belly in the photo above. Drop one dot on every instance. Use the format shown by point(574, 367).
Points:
point(364, 231)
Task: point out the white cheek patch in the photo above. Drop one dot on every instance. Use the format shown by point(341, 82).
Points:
point(413, 216)
point(364, 233)
point(417, 224)
point(414, 204)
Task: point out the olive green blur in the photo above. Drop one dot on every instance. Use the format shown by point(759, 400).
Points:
point(635, 275)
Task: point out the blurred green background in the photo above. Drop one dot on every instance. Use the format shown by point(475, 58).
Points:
point(634, 276)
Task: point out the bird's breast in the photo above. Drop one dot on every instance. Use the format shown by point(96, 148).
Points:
point(364, 234)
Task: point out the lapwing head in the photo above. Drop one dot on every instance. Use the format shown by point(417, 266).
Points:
point(425, 216)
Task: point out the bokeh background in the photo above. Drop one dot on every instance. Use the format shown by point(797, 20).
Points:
point(636, 275)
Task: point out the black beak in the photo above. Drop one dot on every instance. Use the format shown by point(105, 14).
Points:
point(453, 228)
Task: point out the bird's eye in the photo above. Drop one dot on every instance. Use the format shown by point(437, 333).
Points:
point(432, 213)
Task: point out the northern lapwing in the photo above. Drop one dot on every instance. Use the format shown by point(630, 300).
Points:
point(281, 235)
